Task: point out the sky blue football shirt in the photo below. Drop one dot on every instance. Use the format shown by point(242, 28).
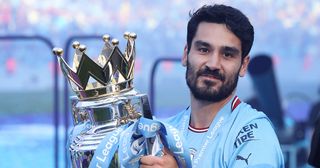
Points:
point(239, 136)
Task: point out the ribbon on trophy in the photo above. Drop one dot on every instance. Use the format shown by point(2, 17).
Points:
point(132, 140)
point(80, 128)
point(77, 130)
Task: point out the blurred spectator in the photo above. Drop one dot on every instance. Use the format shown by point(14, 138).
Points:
point(314, 120)
point(314, 156)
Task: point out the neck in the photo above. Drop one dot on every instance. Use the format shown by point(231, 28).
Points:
point(204, 112)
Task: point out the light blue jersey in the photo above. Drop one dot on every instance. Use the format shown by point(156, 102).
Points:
point(239, 136)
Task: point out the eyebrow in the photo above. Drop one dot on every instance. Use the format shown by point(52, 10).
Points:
point(230, 49)
point(199, 43)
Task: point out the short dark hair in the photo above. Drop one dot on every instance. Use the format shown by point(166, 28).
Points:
point(234, 19)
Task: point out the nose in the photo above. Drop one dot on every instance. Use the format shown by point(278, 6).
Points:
point(214, 61)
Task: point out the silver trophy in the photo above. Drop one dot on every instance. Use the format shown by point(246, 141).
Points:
point(105, 97)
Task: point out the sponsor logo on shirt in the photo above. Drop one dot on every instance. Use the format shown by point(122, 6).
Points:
point(243, 158)
point(246, 134)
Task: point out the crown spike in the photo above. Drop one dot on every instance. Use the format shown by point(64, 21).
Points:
point(76, 44)
point(133, 35)
point(82, 48)
point(57, 51)
point(115, 42)
point(126, 35)
point(106, 38)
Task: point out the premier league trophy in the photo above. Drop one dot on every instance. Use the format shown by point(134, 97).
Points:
point(105, 97)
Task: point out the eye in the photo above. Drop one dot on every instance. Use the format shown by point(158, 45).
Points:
point(203, 50)
point(228, 54)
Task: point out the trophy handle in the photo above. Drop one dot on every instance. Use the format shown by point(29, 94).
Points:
point(146, 107)
point(148, 114)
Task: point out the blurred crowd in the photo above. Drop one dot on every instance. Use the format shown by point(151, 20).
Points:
point(162, 22)
point(288, 30)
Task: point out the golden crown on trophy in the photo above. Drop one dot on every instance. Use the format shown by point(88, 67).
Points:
point(110, 74)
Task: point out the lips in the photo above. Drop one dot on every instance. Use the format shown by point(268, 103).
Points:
point(211, 76)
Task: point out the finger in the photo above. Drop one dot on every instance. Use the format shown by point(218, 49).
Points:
point(146, 166)
point(149, 160)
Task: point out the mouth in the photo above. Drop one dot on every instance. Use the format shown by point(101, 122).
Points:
point(210, 77)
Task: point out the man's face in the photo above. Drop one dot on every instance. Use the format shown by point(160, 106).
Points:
point(214, 62)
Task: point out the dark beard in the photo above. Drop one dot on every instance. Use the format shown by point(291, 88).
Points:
point(207, 93)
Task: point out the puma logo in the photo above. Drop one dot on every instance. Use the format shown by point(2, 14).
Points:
point(242, 158)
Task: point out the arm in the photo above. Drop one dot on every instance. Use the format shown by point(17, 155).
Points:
point(256, 145)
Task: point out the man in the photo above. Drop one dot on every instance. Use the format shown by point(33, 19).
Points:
point(221, 131)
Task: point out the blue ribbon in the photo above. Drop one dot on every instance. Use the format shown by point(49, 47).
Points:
point(107, 148)
point(77, 130)
point(133, 141)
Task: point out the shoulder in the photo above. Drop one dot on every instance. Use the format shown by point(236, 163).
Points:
point(245, 116)
point(254, 140)
point(252, 125)
point(247, 113)
point(259, 129)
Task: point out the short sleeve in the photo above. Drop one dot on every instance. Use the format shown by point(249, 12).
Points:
point(256, 145)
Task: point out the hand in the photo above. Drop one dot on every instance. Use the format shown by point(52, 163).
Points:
point(166, 161)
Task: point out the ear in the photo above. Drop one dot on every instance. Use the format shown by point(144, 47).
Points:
point(185, 56)
point(244, 66)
